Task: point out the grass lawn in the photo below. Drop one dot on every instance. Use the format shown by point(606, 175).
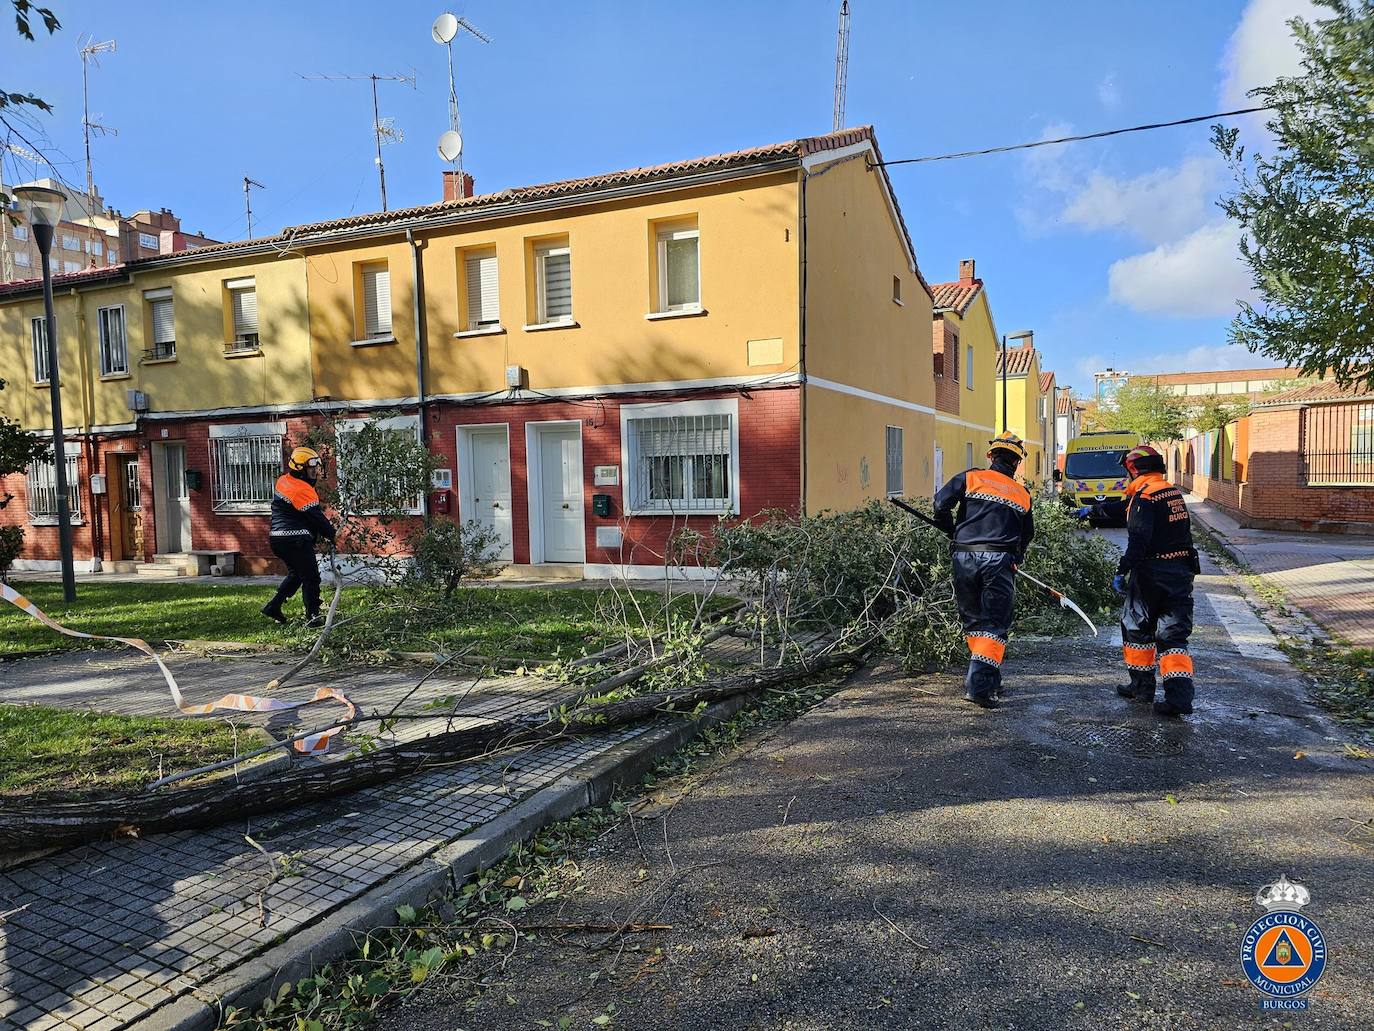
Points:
point(48, 749)
point(512, 622)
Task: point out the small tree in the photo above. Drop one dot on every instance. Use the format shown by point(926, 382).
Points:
point(19, 448)
point(1308, 210)
point(1143, 406)
point(447, 553)
point(1215, 412)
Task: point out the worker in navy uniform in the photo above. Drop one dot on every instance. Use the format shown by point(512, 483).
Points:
point(1155, 578)
point(987, 514)
point(298, 523)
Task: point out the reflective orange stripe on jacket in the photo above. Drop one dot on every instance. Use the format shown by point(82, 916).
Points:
point(994, 486)
point(1138, 656)
point(1176, 663)
point(986, 649)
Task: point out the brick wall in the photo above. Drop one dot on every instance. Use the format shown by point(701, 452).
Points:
point(945, 340)
point(1270, 491)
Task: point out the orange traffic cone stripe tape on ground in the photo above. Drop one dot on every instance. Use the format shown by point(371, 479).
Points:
point(230, 702)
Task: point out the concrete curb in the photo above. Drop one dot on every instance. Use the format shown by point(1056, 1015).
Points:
point(337, 934)
point(1227, 545)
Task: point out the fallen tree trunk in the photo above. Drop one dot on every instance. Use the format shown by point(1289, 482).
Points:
point(38, 825)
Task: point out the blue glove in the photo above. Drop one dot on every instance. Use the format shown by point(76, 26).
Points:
point(1084, 512)
point(1119, 584)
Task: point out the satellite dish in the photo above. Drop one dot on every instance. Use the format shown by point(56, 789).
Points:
point(450, 146)
point(445, 27)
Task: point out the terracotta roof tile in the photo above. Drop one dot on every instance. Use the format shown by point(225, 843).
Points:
point(1046, 379)
point(92, 275)
point(955, 297)
point(1064, 404)
point(1327, 390)
point(1018, 360)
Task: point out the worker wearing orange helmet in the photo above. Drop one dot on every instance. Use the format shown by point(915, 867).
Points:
point(298, 522)
point(987, 514)
point(1155, 579)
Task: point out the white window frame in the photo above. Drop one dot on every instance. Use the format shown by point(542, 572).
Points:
point(155, 352)
point(41, 372)
point(379, 332)
point(968, 366)
point(21, 233)
point(473, 324)
point(897, 290)
point(396, 422)
point(95, 247)
point(150, 241)
point(107, 367)
point(541, 255)
point(71, 266)
point(666, 236)
point(33, 487)
point(70, 242)
point(635, 505)
point(259, 437)
point(968, 454)
point(894, 463)
point(21, 258)
point(238, 341)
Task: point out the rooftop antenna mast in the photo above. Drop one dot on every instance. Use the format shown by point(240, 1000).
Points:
point(248, 201)
point(445, 30)
point(841, 65)
point(90, 55)
point(384, 130)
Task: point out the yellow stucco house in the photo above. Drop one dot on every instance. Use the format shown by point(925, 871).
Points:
point(596, 362)
point(1025, 405)
point(965, 350)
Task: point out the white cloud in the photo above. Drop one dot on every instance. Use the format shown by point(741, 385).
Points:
point(1203, 358)
point(1198, 276)
point(1262, 48)
point(1158, 206)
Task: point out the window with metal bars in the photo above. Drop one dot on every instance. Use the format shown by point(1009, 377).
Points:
point(681, 462)
point(243, 315)
point(42, 489)
point(243, 471)
point(1338, 445)
point(894, 454)
point(161, 326)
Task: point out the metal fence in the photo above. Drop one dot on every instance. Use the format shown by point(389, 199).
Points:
point(1338, 445)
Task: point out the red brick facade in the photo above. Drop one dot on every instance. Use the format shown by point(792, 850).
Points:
point(1268, 486)
point(769, 477)
point(946, 343)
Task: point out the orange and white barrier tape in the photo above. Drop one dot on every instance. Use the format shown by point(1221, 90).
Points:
point(232, 702)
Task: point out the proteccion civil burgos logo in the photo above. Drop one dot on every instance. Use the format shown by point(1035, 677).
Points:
point(1283, 953)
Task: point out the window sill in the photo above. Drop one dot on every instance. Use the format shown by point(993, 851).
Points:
point(52, 521)
point(109, 377)
point(898, 302)
point(678, 513)
point(685, 313)
point(373, 341)
point(538, 327)
point(242, 352)
point(41, 384)
point(158, 361)
point(260, 509)
point(485, 331)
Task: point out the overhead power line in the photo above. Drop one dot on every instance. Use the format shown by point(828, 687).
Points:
point(1073, 139)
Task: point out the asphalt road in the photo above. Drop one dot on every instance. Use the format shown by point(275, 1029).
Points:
point(899, 859)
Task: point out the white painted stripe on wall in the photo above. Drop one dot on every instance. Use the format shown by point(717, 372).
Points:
point(845, 388)
point(954, 421)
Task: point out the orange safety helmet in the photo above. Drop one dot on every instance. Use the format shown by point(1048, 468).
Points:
point(1142, 459)
point(302, 457)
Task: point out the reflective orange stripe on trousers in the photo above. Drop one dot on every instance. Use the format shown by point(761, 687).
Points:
point(986, 648)
point(1137, 657)
point(1176, 664)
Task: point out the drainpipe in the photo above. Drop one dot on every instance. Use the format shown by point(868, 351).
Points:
point(417, 271)
point(801, 335)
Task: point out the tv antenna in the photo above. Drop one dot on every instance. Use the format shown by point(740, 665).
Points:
point(248, 201)
point(90, 52)
point(384, 130)
point(841, 65)
point(445, 30)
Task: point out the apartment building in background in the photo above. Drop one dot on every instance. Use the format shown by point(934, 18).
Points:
point(965, 350)
point(91, 235)
point(596, 362)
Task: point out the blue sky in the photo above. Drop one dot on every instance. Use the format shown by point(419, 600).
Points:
point(1112, 251)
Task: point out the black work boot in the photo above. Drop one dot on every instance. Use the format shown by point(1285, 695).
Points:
point(314, 620)
point(1141, 688)
point(1178, 697)
point(272, 610)
point(981, 684)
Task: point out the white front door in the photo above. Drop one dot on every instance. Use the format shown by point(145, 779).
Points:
point(486, 481)
point(560, 480)
point(939, 467)
point(173, 499)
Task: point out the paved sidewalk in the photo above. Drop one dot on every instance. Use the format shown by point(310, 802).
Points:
point(1329, 576)
point(898, 859)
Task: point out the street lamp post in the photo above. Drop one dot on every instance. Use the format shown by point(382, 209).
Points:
point(43, 209)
